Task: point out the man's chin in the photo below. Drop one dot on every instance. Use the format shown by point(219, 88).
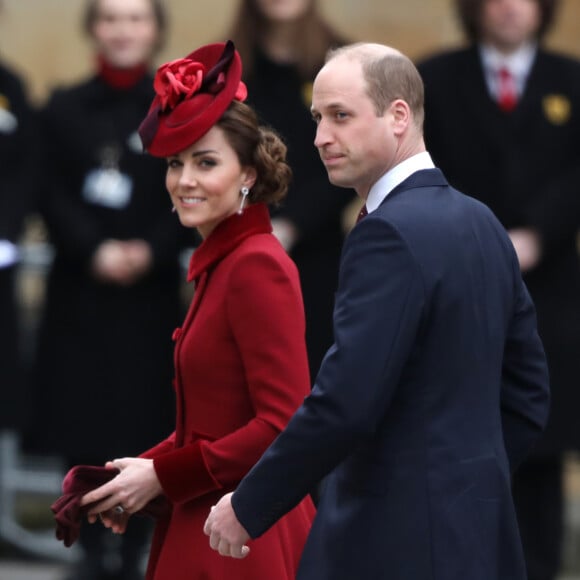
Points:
point(338, 180)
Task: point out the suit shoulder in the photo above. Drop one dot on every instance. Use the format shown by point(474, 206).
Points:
point(442, 61)
point(559, 73)
point(560, 60)
point(10, 79)
point(63, 96)
point(420, 208)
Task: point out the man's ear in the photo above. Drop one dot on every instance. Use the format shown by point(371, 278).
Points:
point(401, 114)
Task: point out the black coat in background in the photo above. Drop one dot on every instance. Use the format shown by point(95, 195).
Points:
point(104, 365)
point(282, 100)
point(17, 169)
point(525, 166)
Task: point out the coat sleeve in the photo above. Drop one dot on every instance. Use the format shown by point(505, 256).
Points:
point(525, 383)
point(264, 307)
point(376, 319)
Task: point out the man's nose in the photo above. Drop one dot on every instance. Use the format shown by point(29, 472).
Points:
point(322, 136)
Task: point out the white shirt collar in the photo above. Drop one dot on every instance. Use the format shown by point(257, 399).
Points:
point(519, 63)
point(395, 176)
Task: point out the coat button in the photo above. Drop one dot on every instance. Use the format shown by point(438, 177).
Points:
point(176, 334)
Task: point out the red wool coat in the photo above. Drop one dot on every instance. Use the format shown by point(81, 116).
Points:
point(241, 372)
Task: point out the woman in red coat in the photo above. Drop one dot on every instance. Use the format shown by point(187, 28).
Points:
point(240, 356)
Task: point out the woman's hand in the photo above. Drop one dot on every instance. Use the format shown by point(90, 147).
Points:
point(134, 486)
point(112, 519)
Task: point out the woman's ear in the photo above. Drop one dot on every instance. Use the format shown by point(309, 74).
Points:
point(249, 176)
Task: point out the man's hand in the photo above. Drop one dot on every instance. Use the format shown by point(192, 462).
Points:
point(226, 534)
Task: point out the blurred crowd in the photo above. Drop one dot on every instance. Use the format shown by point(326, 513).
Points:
point(92, 378)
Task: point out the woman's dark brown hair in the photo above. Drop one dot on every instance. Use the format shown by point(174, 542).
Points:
point(314, 37)
point(257, 147)
point(91, 15)
point(469, 12)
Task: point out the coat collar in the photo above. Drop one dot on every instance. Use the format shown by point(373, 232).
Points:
point(422, 178)
point(228, 235)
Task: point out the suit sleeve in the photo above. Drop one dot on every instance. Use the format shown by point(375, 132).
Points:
point(378, 310)
point(555, 213)
point(265, 310)
point(525, 383)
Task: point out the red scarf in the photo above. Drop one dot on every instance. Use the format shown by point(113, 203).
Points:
point(120, 78)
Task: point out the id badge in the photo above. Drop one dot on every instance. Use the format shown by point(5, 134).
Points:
point(108, 187)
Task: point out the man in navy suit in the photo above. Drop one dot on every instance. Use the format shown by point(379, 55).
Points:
point(436, 386)
point(520, 155)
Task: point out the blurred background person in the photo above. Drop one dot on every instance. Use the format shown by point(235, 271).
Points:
point(503, 123)
point(18, 166)
point(102, 379)
point(283, 45)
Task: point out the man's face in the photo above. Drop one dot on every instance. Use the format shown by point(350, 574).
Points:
point(283, 11)
point(355, 144)
point(507, 24)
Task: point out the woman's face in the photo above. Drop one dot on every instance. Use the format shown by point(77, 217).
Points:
point(204, 182)
point(283, 10)
point(125, 32)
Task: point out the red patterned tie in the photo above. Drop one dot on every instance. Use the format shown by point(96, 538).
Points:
point(362, 213)
point(507, 97)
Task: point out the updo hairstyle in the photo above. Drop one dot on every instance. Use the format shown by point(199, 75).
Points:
point(259, 147)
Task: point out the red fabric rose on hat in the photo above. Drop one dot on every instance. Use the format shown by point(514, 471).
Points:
point(192, 94)
point(178, 80)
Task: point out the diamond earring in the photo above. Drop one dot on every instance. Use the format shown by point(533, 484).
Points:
point(244, 191)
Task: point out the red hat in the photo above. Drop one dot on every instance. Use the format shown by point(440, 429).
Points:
point(192, 94)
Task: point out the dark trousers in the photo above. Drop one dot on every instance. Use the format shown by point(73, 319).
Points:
point(539, 500)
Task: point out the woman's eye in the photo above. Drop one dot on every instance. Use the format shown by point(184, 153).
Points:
point(207, 162)
point(172, 163)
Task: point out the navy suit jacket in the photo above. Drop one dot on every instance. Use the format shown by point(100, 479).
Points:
point(434, 390)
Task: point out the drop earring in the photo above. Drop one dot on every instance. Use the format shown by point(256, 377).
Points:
point(173, 209)
point(244, 191)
